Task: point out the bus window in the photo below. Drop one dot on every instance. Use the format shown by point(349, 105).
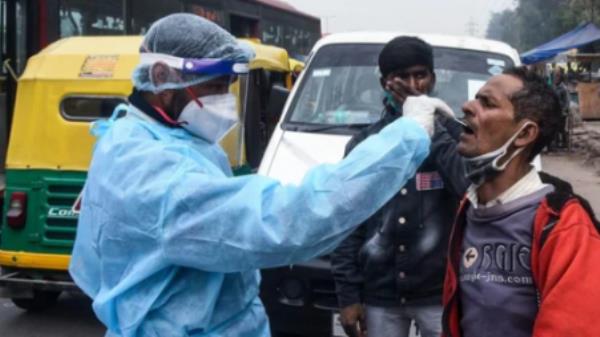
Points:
point(21, 34)
point(80, 17)
point(142, 18)
point(2, 33)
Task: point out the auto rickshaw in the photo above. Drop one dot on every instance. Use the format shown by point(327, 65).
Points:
point(296, 66)
point(66, 86)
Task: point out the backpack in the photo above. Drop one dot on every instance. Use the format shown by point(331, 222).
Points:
point(556, 200)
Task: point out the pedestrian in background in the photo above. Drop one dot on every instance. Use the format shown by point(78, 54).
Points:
point(562, 91)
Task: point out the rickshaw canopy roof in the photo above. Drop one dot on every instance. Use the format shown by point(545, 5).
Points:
point(268, 57)
point(114, 57)
point(296, 65)
point(110, 57)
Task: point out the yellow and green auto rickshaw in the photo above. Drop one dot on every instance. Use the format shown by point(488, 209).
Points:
point(296, 66)
point(66, 86)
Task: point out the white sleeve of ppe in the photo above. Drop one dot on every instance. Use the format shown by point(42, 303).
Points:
point(249, 222)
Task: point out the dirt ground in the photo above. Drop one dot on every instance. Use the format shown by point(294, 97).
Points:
point(572, 168)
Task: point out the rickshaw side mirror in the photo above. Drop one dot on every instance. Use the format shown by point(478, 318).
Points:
point(277, 98)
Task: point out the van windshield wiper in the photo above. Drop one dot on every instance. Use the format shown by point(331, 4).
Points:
point(326, 127)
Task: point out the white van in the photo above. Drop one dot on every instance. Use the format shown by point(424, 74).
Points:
point(337, 94)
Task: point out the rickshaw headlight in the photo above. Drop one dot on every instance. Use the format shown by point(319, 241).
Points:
point(17, 210)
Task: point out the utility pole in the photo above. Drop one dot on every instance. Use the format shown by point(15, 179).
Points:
point(472, 27)
point(592, 19)
point(326, 18)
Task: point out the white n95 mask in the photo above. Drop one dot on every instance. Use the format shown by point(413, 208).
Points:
point(210, 117)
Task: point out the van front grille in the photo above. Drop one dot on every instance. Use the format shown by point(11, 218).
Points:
point(323, 294)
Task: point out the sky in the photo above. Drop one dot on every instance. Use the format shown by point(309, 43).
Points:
point(457, 17)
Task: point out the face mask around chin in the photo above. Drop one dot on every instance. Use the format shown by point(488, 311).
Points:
point(211, 122)
point(479, 169)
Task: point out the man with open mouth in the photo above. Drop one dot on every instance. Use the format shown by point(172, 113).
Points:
point(524, 249)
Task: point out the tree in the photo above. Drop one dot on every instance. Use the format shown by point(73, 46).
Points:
point(503, 27)
point(534, 22)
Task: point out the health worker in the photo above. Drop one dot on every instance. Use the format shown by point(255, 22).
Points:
point(168, 242)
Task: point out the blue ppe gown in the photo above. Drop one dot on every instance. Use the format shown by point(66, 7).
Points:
point(169, 243)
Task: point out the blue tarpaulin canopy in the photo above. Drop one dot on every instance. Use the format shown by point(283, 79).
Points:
point(578, 37)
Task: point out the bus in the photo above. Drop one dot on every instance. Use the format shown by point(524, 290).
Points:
point(27, 26)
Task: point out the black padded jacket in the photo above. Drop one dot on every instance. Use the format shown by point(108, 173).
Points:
point(422, 213)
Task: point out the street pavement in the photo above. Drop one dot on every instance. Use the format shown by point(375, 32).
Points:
point(593, 125)
point(572, 168)
point(73, 317)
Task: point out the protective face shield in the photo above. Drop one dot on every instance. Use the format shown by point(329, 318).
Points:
point(209, 117)
point(187, 71)
point(480, 168)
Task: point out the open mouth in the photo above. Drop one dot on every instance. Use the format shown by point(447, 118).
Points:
point(467, 128)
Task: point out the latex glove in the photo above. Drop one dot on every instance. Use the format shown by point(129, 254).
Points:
point(422, 109)
point(352, 318)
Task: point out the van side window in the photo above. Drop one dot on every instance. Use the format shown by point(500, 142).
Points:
point(88, 108)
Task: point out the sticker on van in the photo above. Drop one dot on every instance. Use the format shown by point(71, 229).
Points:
point(496, 62)
point(325, 72)
point(473, 87)
point(495, 70)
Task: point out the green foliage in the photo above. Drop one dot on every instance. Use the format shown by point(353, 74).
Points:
point(534, 22)
point(502, 27)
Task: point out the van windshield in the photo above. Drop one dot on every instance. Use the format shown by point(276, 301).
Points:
point(340, 90)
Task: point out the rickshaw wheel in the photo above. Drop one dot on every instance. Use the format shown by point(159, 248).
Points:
point(41, 300)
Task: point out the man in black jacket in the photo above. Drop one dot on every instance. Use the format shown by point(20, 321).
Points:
point(391, 270)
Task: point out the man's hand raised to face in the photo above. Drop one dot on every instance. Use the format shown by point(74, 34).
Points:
point(399, 89)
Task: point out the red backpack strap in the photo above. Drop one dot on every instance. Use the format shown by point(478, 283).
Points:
point(556, 201)
point(548, 215)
